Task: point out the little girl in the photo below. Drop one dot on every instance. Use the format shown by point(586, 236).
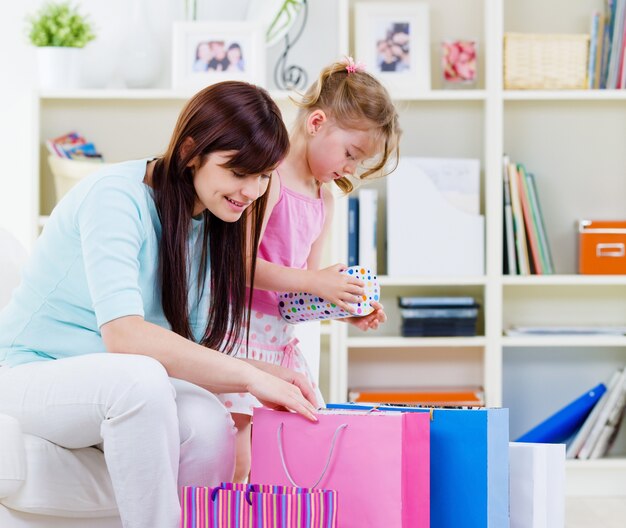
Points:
point(346, 118)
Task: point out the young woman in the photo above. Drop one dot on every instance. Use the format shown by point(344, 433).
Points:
point(135, 288)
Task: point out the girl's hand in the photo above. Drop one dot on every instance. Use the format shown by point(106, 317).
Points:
point(338, 288)
point(370, 321)
point(277, 393)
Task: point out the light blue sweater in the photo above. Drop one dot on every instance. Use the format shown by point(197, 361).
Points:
point(96, 260)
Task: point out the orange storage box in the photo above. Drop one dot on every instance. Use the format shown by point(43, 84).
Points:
point(602, 247)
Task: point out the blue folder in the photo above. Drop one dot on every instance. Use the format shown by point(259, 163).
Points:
point(562, 424)
point(469, 465)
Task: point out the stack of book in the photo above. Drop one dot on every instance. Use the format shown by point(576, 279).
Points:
point(438, 316)
point(440, 396)
point(607, 48)
point(589, 424)
point(73, 146)
point(527, 250)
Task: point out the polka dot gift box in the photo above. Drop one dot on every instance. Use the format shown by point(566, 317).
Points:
point(302, 307)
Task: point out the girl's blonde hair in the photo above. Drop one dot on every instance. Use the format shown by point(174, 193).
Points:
point(356, 99)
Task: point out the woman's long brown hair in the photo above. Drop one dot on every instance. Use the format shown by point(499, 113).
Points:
point(228, 116)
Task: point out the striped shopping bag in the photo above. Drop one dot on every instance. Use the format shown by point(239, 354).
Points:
point(258, 506)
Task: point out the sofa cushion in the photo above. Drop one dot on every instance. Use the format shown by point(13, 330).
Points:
point(63, 482)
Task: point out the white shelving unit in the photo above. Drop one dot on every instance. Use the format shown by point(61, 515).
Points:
point(572, 140)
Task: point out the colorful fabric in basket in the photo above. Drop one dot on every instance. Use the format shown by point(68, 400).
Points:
point(257, 506)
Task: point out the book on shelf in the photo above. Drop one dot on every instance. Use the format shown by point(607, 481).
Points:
point(368, 212)
point(432, 396)
point(72, 146)
point(419, 301)
point(534, 257)
point(518, 331)
point(509, 240)
point(544, 246)
point(598, 50)
point(519, 233)
point(583, 433)
point(611, 75)
point(611, 427)
point(353, 231)
point(617, 45)
point(603, 417)
point(526, 247)
point(558, 427)
point(593, 48)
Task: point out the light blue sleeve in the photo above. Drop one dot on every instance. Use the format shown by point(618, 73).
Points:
point(112, 233)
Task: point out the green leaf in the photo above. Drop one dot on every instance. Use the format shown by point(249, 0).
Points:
point(59, 24)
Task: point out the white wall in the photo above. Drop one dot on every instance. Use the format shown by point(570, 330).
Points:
point(18, 82)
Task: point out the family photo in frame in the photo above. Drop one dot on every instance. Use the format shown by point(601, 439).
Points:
point(392, 39)
point(204, 53)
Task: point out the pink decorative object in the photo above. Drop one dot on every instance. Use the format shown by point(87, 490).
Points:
point(458, 62)
point(302, 307)
point(378, 463)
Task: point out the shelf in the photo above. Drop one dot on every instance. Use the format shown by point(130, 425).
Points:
point(601, 477)
point(385, 280)
point(443, 95)
point(564, 341)
point(564, 95)
point(564, 280)
point(598, 463)
point(416, 342)
point(131, 95)
point(278, 95)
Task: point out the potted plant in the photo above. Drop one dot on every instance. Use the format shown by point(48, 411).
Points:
point(59, 32)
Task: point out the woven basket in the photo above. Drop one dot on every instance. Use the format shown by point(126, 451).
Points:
point(545, 62)
point(68, 172)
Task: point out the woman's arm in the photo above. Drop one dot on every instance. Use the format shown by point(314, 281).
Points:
point(203, 366)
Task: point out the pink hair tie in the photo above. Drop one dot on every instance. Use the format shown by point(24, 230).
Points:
point(353, 67)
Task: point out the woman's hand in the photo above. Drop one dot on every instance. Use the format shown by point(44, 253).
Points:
point(290, 376)
point(369, 321)
point(278, 393)
point(338, 288)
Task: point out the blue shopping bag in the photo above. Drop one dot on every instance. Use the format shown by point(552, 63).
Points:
point(469, 465)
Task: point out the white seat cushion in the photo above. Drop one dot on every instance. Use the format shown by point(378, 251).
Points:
point(64, 482)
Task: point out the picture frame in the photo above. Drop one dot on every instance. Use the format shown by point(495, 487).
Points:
point(208, 52)
point(393, 41)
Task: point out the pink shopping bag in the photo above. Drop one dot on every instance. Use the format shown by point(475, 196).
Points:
point(379, 463)
point(257, 506)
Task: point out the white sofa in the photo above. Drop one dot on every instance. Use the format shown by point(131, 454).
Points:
point(43, 485)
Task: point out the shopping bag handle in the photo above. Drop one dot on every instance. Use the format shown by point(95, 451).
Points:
point(248, 494)
point(330, 454)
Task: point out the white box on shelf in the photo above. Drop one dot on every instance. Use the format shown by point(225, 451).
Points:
point(433, 221)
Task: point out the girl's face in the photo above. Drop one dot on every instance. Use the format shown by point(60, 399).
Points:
point(334, 152)
point(222, 191)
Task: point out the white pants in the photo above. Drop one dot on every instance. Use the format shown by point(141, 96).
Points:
point(157, 433)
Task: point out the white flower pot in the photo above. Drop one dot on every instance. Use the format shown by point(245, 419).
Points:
point(58, 67)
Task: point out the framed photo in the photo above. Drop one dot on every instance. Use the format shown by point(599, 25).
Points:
point(393, 40)
point(204, 53)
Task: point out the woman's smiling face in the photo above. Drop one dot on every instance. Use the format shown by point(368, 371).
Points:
point(223, 191)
